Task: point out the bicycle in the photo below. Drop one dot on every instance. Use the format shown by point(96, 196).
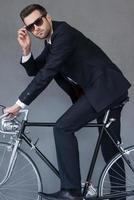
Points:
point(20, 178)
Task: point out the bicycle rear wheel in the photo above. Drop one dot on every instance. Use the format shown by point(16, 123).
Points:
point(24, 182)
point(117, 178)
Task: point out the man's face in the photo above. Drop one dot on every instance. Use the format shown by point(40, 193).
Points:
point(39, 25)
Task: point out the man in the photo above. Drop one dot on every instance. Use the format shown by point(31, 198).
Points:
point(85, 73)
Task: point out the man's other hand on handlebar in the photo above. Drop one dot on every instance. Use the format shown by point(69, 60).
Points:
point(12, 110)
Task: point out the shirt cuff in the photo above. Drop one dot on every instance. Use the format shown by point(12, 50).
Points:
point(26, 58)
point(21, 104)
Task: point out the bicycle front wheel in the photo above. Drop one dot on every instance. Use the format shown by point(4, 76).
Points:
point(24, 181)
point(117, 179)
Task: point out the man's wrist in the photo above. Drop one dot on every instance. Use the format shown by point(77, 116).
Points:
point(26, 58)
point(26, 51)
point(20, 104)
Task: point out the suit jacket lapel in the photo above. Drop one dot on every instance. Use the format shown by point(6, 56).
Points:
point(55, 25)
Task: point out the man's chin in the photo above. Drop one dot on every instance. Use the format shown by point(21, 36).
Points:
point(40, 36)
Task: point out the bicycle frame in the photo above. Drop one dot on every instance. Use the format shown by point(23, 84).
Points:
point(21, 135)
point(103, 127)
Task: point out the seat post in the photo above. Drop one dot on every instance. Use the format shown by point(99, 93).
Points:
point(106, 116)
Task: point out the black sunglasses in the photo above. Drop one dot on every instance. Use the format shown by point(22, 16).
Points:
point(37, 22)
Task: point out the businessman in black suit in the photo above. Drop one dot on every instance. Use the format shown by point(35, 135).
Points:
point(85, 73)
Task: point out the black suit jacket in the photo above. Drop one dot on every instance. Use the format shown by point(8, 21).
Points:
point(73, 55)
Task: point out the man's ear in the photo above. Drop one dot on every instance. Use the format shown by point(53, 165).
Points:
point(49, 18)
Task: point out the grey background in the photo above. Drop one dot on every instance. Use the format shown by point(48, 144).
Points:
point(110, 25)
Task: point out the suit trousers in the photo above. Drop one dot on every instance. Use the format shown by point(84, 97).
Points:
point(78, 115)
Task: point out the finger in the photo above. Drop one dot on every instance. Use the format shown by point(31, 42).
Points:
point(22, 37)
point(9, 116)
point(22, 33)
point(5, 110)
point(23, 28)
point(8, 111)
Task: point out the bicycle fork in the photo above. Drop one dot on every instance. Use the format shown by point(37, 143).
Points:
point(11, 162)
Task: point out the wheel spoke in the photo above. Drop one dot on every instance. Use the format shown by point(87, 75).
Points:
point(118, 177)
point(24, 181)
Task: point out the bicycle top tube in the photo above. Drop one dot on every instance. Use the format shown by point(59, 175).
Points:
point(12, 125)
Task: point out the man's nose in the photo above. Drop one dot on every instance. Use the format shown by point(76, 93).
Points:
point(36, 27)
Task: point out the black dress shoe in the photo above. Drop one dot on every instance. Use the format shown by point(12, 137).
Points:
point(62, 195)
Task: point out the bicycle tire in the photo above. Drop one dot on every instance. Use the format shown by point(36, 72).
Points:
point(122, 187)
point(24, 182)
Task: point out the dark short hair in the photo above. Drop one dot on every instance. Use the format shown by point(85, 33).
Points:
point(30, 8)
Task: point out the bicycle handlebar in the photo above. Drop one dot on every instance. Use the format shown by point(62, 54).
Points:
point(4, 115)
point(11, 125)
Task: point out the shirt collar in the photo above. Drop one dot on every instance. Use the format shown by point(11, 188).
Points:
point(49, 40)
